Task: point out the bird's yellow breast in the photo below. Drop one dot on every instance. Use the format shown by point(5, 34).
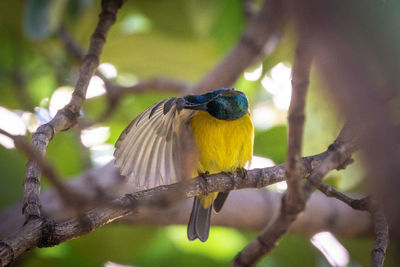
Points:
point(223, 145)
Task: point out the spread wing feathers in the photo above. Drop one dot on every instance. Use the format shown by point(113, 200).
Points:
point(158, 146)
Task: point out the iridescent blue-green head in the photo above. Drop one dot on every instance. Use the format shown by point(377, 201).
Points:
point(224, 104)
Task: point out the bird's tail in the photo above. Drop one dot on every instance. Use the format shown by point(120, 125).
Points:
point(199, 223)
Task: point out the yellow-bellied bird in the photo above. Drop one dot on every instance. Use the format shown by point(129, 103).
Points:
point(178, 138)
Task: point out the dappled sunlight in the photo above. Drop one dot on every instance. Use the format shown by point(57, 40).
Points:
point(30, 120)
point(126, 79)
point(281, 186)
point(59, 99)
point(113, 264)
point(254, 75)
point(108, 70)
point(42, 115)
point(331, 248)
point(13, 124)
point(260, 162)
point(95, 136)
point(135, 23)
point(265, 116)
point(96, 87)
point(278, 85)
point(101, 154)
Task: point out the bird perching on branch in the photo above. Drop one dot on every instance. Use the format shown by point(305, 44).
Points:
point(178, 138)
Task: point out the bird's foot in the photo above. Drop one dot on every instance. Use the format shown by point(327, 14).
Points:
point(242, 172)
point(204, 176)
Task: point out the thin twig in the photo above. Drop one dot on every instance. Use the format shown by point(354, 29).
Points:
point(116, 92)
point(293, 202)
point(67, 116)
point(381, 229)
point(357, 204)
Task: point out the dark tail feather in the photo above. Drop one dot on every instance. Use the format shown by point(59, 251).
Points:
point(199, 223)
point(220, 200)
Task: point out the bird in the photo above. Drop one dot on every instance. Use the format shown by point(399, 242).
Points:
point(184, 137)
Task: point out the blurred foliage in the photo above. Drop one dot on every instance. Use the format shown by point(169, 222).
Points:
point(274, 138)
point(179, 39)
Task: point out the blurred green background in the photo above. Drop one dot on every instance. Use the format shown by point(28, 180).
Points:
point(180, 39)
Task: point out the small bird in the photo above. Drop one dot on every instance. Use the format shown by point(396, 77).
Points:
point(183, 137)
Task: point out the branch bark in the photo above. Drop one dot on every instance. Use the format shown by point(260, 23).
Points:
point(294, 201)
point(42, 233)
point(364, 84)
point(66, 194)
point(381, 229)
point(67, 117)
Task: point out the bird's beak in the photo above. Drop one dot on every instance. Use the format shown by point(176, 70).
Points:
point(202, 106)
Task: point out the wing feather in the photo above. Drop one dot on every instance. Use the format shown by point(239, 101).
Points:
point(150, 151)
point(130, 143)
point(134, 143)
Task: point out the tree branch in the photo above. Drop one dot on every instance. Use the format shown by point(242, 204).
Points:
point(116, 92)
point(293, 202)
point(67, 116)
point(250, 46)
point(47, 233)
point(105, 182)
point(321, 214)
point(357, 204)
point(363, 94)
point(381, 230)
point(67, 195)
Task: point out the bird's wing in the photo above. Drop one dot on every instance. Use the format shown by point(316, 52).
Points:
point(158, 146)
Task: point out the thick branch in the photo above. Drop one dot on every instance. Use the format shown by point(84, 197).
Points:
point(128, 204)
point(321, 214)
point(66, 117)
point(381, 231)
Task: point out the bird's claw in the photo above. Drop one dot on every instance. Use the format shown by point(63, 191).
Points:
point(243, 173)
point(204, 174)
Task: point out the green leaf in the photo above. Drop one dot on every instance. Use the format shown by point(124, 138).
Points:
point(271, 143)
